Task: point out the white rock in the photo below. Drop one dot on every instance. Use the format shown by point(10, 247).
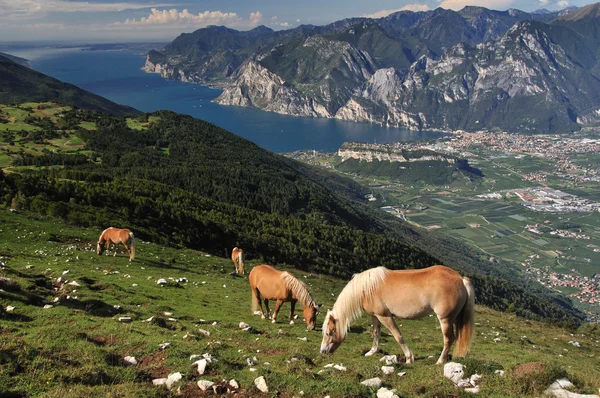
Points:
point(385, 393)
point(473, 390)
point(9, 308)
point(201, 364)
point(234, 383)
point(165, 313)
point(374, 382)
point(474, 379)
point(162, 346)
point(125, 319)
point(173, 378)
point(204, 332)
point(73, 283)
point(194, 356)
point(499, 372)
point(48, 306)
point(161, 281)
point(340, 367)
point(302, 338)
point(454, 371)
point(329, 365)
point(204, 384)
point(250, 361)
point(243, 325)
point(65, 272)
point(387, 370)
point(261, 384)
point(158, 382)
point(130, 361)
point(402, 374)
point(389, 359)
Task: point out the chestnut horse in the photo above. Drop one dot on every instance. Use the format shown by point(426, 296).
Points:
point(115, 236)
point(406, 294)
point(283, 287)
point(237, 255)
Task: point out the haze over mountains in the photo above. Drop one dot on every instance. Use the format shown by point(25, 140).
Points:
point(475, 69)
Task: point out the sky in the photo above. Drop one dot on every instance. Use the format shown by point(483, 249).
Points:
point(112, 21)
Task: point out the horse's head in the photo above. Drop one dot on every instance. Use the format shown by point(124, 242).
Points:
point(331, 335)
point(310, 316)
point(99, 248)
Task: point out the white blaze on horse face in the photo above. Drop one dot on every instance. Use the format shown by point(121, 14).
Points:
point(330, 341)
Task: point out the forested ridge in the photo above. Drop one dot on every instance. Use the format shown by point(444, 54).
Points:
point(185, 182)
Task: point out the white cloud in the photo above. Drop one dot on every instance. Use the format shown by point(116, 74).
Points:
point(255, 18)
point(275, 22)
point(408, 7)
point(554, 3)
point(40, 8)
point(166, 17)
point(563, 4)
point(491, 4)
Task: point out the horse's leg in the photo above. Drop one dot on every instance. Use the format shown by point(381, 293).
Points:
point(376, 336)
point(268, 310)
point(389, 323)
point(277, 307)
point(448, 332)
point(292, 307)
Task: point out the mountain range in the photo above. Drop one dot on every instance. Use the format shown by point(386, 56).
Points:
point(473, 69)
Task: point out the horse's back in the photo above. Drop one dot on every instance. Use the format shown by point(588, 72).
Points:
point(266, 279)
point(412, 294)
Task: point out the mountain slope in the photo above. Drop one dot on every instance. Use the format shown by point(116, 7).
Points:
point(452, 69)
point(19, 83)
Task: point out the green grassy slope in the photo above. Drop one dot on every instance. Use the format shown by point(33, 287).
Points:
point(77, 346)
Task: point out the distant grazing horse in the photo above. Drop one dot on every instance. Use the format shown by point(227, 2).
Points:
point(237, 255)
point(406, 294)
point(283, 287)
point(115, 236)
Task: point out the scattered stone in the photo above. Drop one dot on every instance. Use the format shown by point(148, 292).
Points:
point(163, 346)
point(162, 281)
point(302, 338)
point(575, 344)
point(73, 283)
point(499, 372)
point(474, 379)
point(261, 384)
point(48, 306)
point(243, 325)
point(385, 393)
point(130, 361)
point(329, 365)
point(125, 319)
point(389, 359)
point(234, 383)
point(402, 374)
point(9, 308)
point(473, 390)
point(204, 332)
point(340, 367)
point(454, 371)
point(159, 382)
point(250, 361)
point(172, 379)
point(65, 272)
point(373, 383)
point(194, 356)
point(165, 313)
point(201, 364)
point(252, 369)
point(387, 370)
point(205, 384)
point(29, 267)
point(559, 389)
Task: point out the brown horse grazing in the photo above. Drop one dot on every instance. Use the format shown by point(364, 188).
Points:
point(115, 236)
point(237, 255)
point(283, 287)
point(406, 294)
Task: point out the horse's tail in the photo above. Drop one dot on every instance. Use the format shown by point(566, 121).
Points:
point(241, 261)
point(465, 322)
point(131, 241)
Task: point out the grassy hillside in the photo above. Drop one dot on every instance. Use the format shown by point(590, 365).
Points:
point(76, 347)
point(184, 182)
point(19, 83)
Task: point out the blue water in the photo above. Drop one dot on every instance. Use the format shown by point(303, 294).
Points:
point(117, 76)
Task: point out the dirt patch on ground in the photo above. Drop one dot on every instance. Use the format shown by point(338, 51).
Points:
point(529, 369)
point(154, 364)
point(103, 340)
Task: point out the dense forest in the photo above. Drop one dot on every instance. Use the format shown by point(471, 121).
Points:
point(184, 182)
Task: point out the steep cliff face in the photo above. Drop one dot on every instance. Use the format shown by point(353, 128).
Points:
point(476, 69)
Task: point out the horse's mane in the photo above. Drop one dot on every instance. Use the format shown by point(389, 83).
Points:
point(348, 305)
point(299, 289)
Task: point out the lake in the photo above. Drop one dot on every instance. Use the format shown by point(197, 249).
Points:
point(117, 75)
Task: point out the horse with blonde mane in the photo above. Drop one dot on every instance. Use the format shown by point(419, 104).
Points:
point(238, 256)
point(282, 287)
point(406, 294)
point(115, 236)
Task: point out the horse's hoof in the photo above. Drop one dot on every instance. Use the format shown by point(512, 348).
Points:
point(291, 322)
point(273, 321)
point(262, 317)
point(370, 352)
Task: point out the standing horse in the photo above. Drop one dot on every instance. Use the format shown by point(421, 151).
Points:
point(237, 255)
point(406, 294)
point(115, 236)
point(283, 287)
